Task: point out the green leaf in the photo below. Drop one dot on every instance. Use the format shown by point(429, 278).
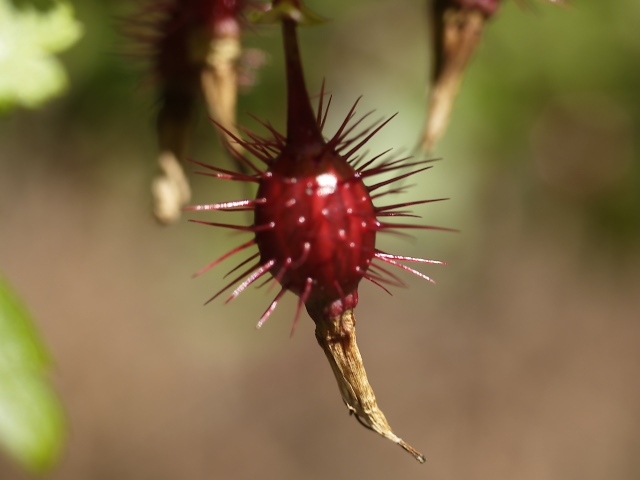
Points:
point(29, 36)
point(32, 427)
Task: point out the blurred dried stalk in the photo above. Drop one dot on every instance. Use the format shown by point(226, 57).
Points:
point(218, 83)
point(457, 27)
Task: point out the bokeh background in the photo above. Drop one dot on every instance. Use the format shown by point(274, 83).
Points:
point(521, 362)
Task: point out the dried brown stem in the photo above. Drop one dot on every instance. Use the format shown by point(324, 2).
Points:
point(337, 337)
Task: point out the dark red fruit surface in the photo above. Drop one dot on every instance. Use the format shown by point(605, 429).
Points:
point(321, 224)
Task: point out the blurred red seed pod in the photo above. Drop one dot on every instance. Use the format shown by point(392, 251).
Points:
point(194, 49)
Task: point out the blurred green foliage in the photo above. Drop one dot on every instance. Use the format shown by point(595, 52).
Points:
point(30, 35)
point(32, 427)
point(554, 94)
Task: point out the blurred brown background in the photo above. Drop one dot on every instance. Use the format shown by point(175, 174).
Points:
point(522, 362)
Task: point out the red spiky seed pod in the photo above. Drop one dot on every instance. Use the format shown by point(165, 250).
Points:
point(315, 227)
